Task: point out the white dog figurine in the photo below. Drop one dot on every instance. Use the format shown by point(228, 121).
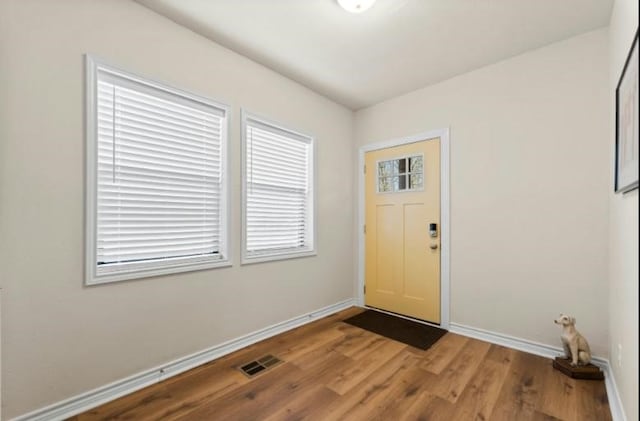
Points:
point(575, 345)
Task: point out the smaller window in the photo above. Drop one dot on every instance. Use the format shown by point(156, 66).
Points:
point(401, 174)
point(278, 199)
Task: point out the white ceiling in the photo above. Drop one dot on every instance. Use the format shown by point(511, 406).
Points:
point(395, 47)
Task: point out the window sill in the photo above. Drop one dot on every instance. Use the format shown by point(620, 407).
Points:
point(140, 273)
point(261, 258)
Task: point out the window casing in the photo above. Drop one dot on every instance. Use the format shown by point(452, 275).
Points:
point(278, 192)
point(156, 178)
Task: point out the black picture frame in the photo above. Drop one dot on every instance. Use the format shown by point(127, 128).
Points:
point(626, 176)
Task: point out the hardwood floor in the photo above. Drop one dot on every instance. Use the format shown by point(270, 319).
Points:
point(335, 371)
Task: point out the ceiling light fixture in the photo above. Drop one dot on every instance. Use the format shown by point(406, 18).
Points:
point(356, 6)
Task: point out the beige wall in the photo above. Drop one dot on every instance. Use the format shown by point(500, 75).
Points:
point(60, 338)
point(529, 183)
point(623, 232)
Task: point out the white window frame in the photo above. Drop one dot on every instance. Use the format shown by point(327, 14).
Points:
point(312, 214)
point(157, 268)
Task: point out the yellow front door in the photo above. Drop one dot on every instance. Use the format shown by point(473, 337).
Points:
point(402, 231)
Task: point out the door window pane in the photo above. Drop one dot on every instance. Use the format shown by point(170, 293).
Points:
point(415, 181)
point(384, 184)
point(402, 165)
point(402, 182)
point(415, 164)
point(385, 169)
point(401, 174)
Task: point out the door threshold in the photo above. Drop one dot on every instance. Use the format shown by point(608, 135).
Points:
point(424, 322)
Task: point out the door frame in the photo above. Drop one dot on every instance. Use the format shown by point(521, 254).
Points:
point(443, 134)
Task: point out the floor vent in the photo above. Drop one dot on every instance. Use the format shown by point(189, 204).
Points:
point(254, 367)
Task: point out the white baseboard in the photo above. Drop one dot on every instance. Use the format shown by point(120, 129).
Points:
point(88, 400)
point(520, 344)
point(548, 351)
point(615, 403)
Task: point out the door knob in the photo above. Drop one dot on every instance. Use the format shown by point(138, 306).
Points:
point(433, 246)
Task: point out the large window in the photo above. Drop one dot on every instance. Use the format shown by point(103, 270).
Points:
point(278, 192)
point(156, 178)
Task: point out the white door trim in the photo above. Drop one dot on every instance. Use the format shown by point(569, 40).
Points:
point(443, 134)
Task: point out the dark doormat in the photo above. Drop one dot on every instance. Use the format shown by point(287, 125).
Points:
point(406, 331)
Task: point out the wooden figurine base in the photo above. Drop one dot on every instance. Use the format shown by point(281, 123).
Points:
point(585, 372)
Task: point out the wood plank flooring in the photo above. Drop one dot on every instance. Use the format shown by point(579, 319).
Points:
point(335, 371)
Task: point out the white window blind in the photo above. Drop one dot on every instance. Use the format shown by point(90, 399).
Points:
point(278, 191)
point(160, 192)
